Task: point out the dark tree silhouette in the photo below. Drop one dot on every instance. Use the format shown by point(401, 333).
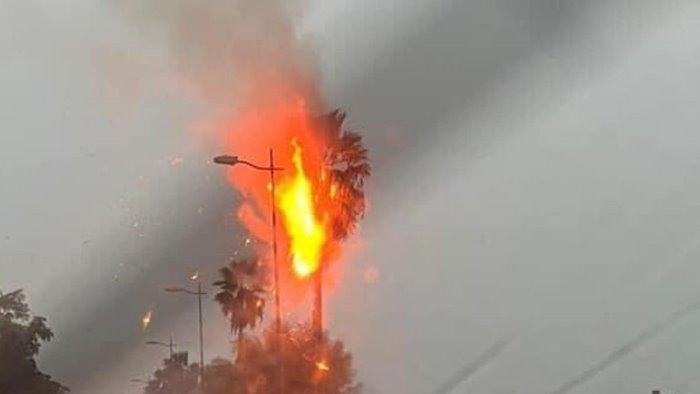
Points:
point(241, 295)
point(174, 377)
point(21, 335)
point(347, 160)
point(309, 365)
point(222, 378)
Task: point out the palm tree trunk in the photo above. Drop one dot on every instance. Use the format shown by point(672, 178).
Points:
point(239, 345)
point(317, 318)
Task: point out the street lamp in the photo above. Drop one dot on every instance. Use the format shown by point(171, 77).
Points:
point(234, 160)
point(199, 293)
point(170, 345)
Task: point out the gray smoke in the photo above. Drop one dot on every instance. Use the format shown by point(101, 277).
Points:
point(226, 48)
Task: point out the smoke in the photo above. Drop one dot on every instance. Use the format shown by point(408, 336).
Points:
point(231, 51)
point(255, 74)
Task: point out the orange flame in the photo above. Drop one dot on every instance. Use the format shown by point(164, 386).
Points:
point(308, 199)
point(307, 234)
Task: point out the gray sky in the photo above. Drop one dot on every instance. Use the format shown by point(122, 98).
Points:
point(536, 175)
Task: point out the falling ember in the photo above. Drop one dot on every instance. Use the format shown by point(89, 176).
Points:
point(195, 276)
point(146, 319)
point(307, 234)
point(322, 366)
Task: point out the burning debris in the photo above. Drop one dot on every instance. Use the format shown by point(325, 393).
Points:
point(146, 319)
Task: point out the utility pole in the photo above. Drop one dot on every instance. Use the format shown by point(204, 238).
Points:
point(232, 161)
point(201, 335)
point(317, 318)
point(235, 160)
point(170, 345)
point(199, 293)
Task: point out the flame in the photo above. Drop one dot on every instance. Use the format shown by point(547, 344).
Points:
point(322, 366)
point(306, 232)
point(146, 319)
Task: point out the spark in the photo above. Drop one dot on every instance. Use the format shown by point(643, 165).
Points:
point(146, 319)
point(322, 366)
point(195, 276)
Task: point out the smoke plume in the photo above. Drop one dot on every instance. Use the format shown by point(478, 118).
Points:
point(232, 51)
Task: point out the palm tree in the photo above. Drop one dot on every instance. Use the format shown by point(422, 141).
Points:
point(346, 167)
point(347, 161)
point(241, 295)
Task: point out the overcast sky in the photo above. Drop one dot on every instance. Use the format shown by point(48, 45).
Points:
point(536, 182)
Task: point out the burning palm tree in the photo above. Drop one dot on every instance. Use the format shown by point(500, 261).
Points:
point(346, 161)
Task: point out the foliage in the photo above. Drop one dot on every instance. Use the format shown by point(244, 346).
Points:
point(221, 378)
point(241, 295)
point(21, 335)
point(309, 365)
point(174, 378)
point(348, 162)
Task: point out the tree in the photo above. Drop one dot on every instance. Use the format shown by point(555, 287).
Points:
point(347, 165)
point(241, 295)
point(308, 365)
point(346, 158)
point(221, 378)
point(21, 335)
point(174, 377)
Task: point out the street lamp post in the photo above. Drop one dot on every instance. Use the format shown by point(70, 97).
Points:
point(234, 160)
point(170, 345)
point(199, 293)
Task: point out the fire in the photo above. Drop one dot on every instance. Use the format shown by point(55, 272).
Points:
point(307, 234)
point(146, 319)
point(317, 188)
point(322, 366)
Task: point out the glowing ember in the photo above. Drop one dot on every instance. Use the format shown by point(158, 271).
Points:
point(146, 319)
point(322, 366)
point(307, 234)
